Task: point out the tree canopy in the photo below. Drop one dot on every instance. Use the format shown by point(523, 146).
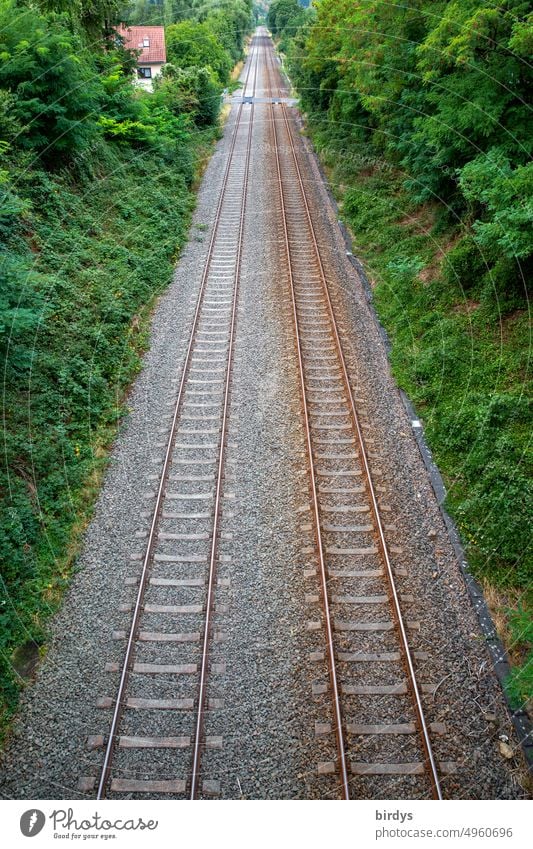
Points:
point(193, 44)
point(439, 90)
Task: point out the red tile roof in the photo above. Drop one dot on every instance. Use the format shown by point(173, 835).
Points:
point(133, 40)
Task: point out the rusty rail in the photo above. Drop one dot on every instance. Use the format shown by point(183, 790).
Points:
point(382, 543)
point(198, 737)
point(152, 536)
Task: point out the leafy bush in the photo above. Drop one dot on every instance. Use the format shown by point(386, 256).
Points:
point(506, 194)
point(192, 91)
point(464, 266)
point(439, 91)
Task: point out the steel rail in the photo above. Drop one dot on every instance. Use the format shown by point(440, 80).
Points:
point(200, 718)
point(407, 656)
point(314, 497)
point(128, 656)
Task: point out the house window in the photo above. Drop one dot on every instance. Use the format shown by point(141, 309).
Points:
point(145, 73)
point(146, 42)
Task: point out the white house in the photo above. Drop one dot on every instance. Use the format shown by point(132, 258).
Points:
point(151, 42)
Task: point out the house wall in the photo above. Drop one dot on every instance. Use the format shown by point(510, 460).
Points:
point(147, 83)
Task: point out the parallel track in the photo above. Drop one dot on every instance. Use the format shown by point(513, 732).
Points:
point(315, 324)
point(219, 282)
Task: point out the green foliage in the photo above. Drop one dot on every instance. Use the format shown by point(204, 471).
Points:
point(191, 44)
point(229, 21)
point(149, 12)
point(126, 131)
point(192, 91)
point(56, 93)
point(160, 12)
point(93, 17)
point(284, 18)
point(66, 345)
point(520, 683)
point(506, 194)
point(199, 33)
point(468, 384)
point(438, 89)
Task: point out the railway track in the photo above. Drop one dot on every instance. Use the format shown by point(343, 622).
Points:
point(376, 715)
point(158, 709)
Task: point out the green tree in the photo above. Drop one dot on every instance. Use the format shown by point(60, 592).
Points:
point(433, 88)
point(56, 91)
point(230, 22)
point(284, 17)
point(191, 44)
point(95, 17)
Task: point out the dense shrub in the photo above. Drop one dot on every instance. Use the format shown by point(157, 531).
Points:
point(438, 89)
point(284, 18)
point(57, 95)
point(464, 267)
point(192, 91)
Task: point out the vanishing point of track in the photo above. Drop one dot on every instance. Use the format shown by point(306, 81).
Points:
point(336, 458)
